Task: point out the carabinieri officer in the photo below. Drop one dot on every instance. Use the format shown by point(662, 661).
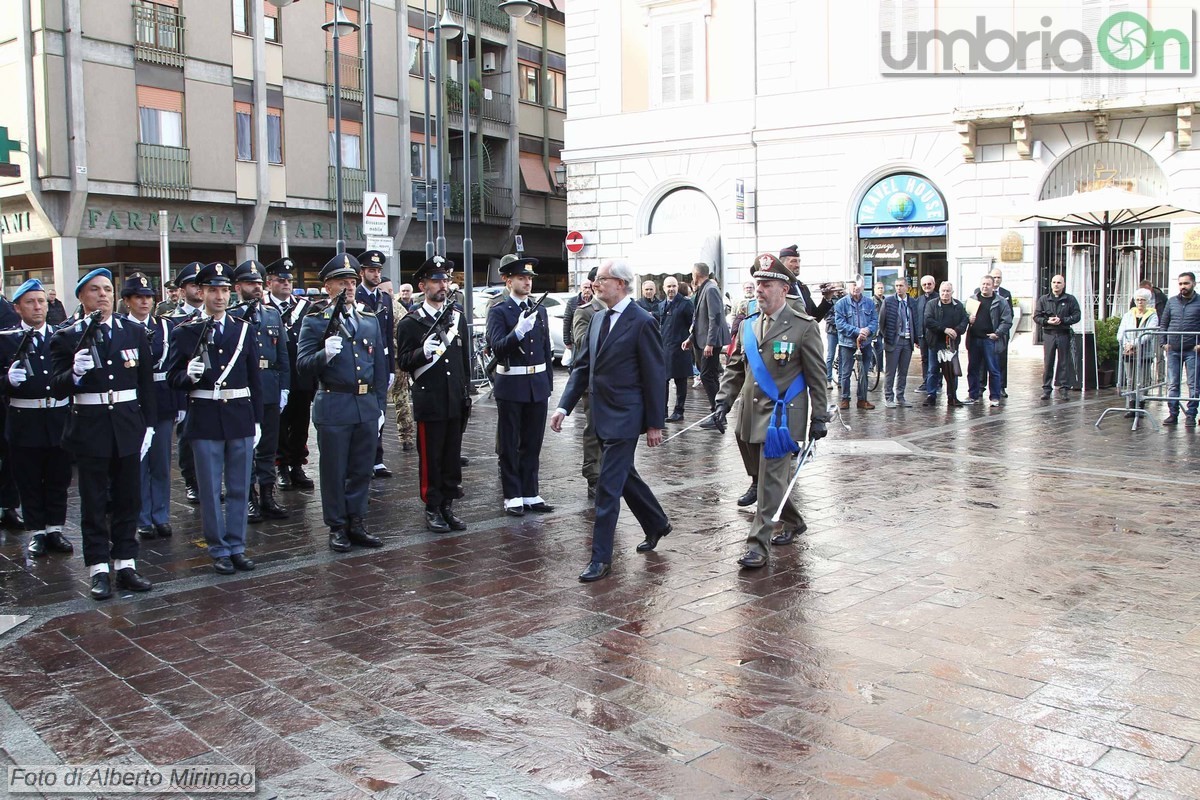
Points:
point(35, 422)
point(518, 334)
point(110, 380)
point(350, 366)
point(224, 417)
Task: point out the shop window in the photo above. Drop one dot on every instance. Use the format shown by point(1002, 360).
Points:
point(243, 117)
point(527, 81)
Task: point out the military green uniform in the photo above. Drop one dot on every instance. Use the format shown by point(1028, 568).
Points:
point(401, 393)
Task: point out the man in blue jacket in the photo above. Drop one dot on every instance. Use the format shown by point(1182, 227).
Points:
point(857, 324)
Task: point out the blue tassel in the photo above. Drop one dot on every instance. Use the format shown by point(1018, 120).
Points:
point(779, 441)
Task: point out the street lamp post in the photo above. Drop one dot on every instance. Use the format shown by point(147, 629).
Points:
point(339, 25)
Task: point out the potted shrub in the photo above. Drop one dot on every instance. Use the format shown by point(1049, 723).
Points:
point(1107, 351)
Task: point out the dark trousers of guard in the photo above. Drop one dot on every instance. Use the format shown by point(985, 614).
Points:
point(1056, 360)
point(268, 445)
point(102, 478)
point(710, 376)
point(521, 428)
point(345, 470)
point(187, 464)
point(9, 496)
point(439, 446)
point(43, 475)
point(293, 429)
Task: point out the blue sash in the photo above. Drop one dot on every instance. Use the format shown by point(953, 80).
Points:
point(779, 441)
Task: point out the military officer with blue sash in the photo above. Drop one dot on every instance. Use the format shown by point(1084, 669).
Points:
point(191, 302)
point(275, 372)
point(518, 334)
point(103, 364)
point(214, 359)
point(346, 355)
point(154, 519)
point(34, 425)
point(379, 303)
point(779, 373)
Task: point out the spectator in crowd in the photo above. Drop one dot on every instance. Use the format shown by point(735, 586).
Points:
point(877, 296)
point(56, 313)
point(897, 330)
point(1056, 312)
point(945, 323)
point(931, 380)
point(744, 308)
point(710, 333)
point(582, 299)
point(857, 323)
point(649, 299)
point(1182, 315)
point(674, 315)
point(1136, 361)
point(1002, 350)
point(831, 348)
point(1158, 297)
point(404, 295)
point(990, 316)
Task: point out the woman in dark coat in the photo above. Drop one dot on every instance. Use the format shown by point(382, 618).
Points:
point(674, 317)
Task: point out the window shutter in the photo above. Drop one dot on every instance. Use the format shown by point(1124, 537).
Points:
point(685, 37)
point(668, 75)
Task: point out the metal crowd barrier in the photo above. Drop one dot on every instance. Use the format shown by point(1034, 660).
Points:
point(1143, 375)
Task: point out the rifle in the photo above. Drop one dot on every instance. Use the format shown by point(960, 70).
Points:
point(206, 335)
point(248, 309)
point(22, 353)
point(490, 366)
point(339, 311)
point(88, 340)
point(441, 323)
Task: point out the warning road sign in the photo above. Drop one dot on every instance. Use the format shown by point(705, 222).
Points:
point(375, 215)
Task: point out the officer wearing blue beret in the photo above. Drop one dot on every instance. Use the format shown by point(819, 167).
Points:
point(346, 355)
point(154, 520)
point(518, 333)
point(103, 364)
point(191, 301)
point(215, 360)
point(379, 303)
point(275, 372)
point(34, 426)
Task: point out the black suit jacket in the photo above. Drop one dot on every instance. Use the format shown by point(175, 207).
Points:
point(30, 427)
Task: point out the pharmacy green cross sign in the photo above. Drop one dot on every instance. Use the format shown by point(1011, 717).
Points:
point(7, 146)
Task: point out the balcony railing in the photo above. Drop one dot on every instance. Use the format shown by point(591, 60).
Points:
point(497, 108)
point(164, 171)
point(354, 183)
point(498, 205)
point(488, 10)
point(159, 32)
point(351, 68)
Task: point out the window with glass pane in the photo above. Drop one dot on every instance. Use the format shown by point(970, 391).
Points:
point(160, 127)
point(274, 136)
point(271, 29)
point(351, 150)
point(527, 78)
point(240, 16)
point(416, 159)
point(556, 85)
point(416, 56)
point(244, 122)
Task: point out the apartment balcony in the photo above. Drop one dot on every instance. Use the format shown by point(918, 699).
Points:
point(354, 183)
point(159, 34)
point(351, 68)
point(164, 172)
point(495, 207)
point(488, 11)
point(493, 112)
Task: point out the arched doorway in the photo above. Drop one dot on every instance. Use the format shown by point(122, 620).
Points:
point(682, 227)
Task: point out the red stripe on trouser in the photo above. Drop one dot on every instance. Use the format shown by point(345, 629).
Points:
point(423, 461)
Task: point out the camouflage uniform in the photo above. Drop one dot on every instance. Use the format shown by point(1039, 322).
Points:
point(401, 394)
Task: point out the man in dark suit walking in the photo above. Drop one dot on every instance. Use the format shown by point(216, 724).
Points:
point(674, 317)
point(710, 333)
point(620, 366)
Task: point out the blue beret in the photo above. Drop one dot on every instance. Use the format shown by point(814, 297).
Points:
point(96, 273)
point(31, 285)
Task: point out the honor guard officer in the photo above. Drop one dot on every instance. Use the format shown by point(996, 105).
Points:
point(190, 303)
point(275, 373)
point(9, 496)
point(215, 360)
point(296, 408)
point(379, 303)
point(432, 346)
point(103, 364)
point(517, 332)
point(778, 371)
point(346, 356)
point(35, 422)
point(154, 518)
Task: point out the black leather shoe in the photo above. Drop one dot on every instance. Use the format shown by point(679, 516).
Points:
point(12, 520)
point(750, 497)
point(594, 572)
point(129, 579)
point(436, 522)
point(382, 472)
point(455, 523)
point(676, 417)
point(301, 480)
point(37, 545)
point(191, 495)
point(1045, 395)
point(339, 542)
point(146, 532)
point(240, 561)
point(930, 400)
point(268, 505)
point(1171, 419)
point(651, 540)
point(708, 424)
point(788, 535)
point(223, 566)
point(954, 403)
point(515, 511)
point(464, 461)
point(253, 510)
point(753, 560)
point(359, 535)
point(101, 586)
point(164, 530)
point(591, 493)
point(58, 543)
point(407, 447)
point(284, 480)
point(539, 508)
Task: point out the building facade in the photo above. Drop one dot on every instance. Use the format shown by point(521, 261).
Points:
point(709, 130)
point(221, 114)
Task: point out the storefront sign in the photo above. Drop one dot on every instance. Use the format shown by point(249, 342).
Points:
point(1012, 248)
point(1191, 244)
point(214, 224)
point(882, 251)
point(901, 231)
point(18, 223)
point(901, 198)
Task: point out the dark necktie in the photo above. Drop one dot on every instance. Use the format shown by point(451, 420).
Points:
point(605, 327)
point(220, 330)
point(36, 341)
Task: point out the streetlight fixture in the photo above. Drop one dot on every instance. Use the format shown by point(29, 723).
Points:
point(340, 26)
point(518, 9)
point(452, 29)
point(560, 175)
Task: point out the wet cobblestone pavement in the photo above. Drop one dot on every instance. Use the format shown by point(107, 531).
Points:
point(989, 603)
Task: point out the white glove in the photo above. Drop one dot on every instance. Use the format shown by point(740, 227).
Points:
point(83, 362)
point(524, 325)
point(433, 346)
point(382, 417)
point(283, 397)
point(567, 357)
point(146, 443)
point(257, 434)
point(391, 381)
point(195, 369)
point(179, 415)
point(333, 346)
point(17, 374)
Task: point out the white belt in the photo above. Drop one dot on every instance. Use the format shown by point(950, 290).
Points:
point(535, 369)
point(41, 402)
point(105, 398)
point(160, 376)
point(220, 394)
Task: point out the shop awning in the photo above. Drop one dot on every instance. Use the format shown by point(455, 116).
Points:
point(534, 174)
